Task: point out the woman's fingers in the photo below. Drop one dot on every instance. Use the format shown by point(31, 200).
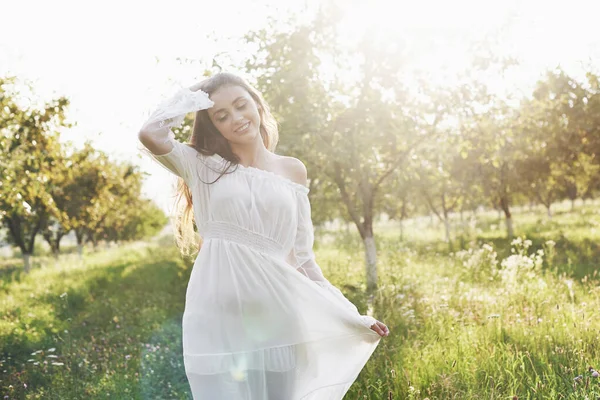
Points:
point(386, 331)
point(383, 328)
point(375, 327)
point(380, 329)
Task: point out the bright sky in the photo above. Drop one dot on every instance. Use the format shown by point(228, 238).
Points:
point(116, 60)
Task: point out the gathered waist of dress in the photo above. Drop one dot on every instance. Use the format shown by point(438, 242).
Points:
point(235, 233)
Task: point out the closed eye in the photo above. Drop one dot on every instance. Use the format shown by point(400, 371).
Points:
point(240, 106)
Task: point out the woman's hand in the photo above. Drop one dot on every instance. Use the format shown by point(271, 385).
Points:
point(196, 87)
point(380, 328)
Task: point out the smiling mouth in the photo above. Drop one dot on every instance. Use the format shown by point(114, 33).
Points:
point(243, 128)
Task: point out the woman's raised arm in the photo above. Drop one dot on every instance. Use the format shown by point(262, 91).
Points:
point(156, 133)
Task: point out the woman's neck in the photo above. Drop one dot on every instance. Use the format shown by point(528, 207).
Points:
point(253, 154)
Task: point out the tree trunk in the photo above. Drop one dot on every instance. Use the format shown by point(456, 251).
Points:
point(447, 229)
point(509, 227)
point(26, 244)
point(371, 260)
point(572, 204)
point(79, 235)
point(53, 241)
point(446, 219)
point(365, 227)
point(27, 262)
point(509, 224)
point(401, 230)
point(548, 208)
point(402, 218)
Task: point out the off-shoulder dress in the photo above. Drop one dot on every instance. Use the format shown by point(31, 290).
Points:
point(261, 322)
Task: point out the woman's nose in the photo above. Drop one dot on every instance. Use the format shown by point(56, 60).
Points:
point(237, 116)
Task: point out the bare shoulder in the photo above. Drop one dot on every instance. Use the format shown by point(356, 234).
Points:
point(294, 169)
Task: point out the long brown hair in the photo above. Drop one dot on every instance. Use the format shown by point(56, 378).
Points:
point(207, 140)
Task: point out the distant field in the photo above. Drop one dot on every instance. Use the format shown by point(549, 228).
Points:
point(486, 324)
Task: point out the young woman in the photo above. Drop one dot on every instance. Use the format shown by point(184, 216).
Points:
point(261, 322)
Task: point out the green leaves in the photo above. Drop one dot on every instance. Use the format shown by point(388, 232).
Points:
point(44, 190)
point(28, 161)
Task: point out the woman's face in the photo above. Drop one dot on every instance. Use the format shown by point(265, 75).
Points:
point(235, 114)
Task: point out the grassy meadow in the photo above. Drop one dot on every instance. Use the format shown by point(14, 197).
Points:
point(485, 318)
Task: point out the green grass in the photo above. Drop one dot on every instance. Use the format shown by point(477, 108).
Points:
point(113, 322)
point(462, 326)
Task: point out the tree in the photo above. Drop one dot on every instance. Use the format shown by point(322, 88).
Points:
point(557, 138)
point(30, 158)
point(437, 184)
point(352, 134)
point(398, 202)
point(116, 205)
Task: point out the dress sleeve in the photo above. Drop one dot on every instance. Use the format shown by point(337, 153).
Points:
point(181, 159)
point(303, 257)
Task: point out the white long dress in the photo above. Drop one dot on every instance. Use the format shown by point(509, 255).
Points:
point(260, 321)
